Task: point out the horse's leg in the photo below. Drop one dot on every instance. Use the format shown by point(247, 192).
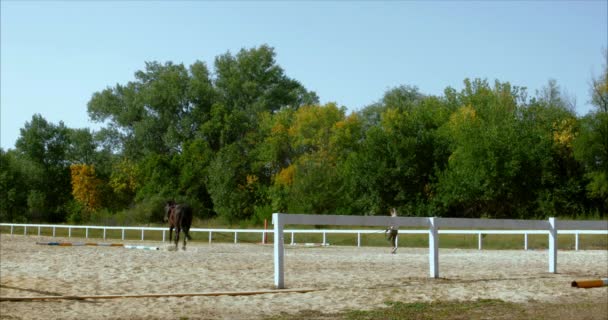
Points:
point(185, 238)
point(170, 233)
point(177, 230)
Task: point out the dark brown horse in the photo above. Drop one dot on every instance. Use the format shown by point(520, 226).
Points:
point(179, 217)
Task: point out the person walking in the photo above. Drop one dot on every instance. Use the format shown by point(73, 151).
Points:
point(392, 232)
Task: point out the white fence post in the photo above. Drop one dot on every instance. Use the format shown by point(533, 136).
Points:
point(86, 232)
point(53, 231)
point(293, 239)
point(69, 232)
point(525, 241)
point(278, 251)
point(25, 230)
point(552, 246)
point(210, 236)
point(576, 241)
point(235, 237)
point(433, 249)
point(39, 231)
point(122, 234)
point(358, 239)
point(104, 233)
point(142, 234)
point(324, 237)
point(479, 241)
point(163, 235)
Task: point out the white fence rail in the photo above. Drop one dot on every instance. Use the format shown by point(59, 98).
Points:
point(38, 228)
point(432, 227)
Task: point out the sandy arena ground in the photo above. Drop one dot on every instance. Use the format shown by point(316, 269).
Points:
point(347, 277)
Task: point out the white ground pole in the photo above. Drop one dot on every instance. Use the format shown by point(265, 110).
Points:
point(551, 226)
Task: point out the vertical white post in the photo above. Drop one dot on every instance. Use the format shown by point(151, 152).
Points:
point(293, 239)
point(39, 231)
point(235, 237)
point(12, 229)
point(263, 237)
point(479, 241)
point(358, 239)
point(324, 237)
point(104, 233)
point(122, 234)
point(86, 232)
point(163, 235)
point(69, 232)
point(53, 232)
point(278, 251)
point(552, 246)
point(576, 241)
point(25, 230)
point(142, 234)
point(526, 241)
point(433, 249)
point(210, 236)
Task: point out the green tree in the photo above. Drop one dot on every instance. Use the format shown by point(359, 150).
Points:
point(14, 185)
point(45, 146)
point(396, 163)
point(591, 146)
point(490, 170)
point(308, 179)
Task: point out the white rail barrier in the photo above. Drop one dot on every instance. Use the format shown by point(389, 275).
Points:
point(432, 227)
point(294, 232)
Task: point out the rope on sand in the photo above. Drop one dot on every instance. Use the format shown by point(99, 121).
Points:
point(159, 295)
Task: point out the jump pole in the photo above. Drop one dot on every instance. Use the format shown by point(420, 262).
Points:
point(159, 295)
point(75, 244)
point(98, 244)
point(590, 283)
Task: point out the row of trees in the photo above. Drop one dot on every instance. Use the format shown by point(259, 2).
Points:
point(246, 140)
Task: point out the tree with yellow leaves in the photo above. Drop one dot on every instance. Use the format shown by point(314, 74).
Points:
point(86, 186)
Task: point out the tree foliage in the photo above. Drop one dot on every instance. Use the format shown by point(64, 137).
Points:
point(86, 186)
point(240, 139)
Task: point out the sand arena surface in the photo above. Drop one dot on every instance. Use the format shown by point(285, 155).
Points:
point(350, 278)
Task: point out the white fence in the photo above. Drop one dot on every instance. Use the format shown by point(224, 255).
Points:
point(432, 227)
point(30, 229)
point(37, 229)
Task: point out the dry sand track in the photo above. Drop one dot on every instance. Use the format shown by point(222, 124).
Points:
point(349, 278)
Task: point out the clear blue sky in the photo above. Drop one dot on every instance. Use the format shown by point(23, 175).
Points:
point(55, 55)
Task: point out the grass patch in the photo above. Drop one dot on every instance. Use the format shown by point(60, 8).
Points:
point(453, 310)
